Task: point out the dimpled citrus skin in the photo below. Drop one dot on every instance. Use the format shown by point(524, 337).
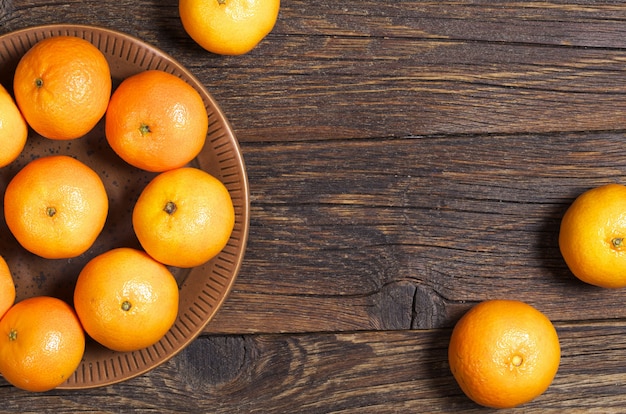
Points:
point(184, 217)
point(228, 27)
point(41, 343)
point(504, 353)
point(156, 121)
point(56, 207)
point(13, 129)
point(592, 236)
point(62, 86)
point(125, 299)
point(7, 287)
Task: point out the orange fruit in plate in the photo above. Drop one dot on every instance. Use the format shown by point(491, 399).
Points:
point(7, 287)
point(228, 27)
point(504, 353)
point(184, 217)
point(62, 85)
point(125, 299)
point(13, 129)
point(592, 237)
point(156, 121)
point(56, 207)
point(41, 343)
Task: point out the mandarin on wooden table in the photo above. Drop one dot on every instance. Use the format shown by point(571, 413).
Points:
point(504, 353)
point(228, 27)
point(409, 159)
point(592, 236)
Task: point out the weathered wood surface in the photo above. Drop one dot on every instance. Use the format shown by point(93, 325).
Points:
point(406, 160)
point(365, 372)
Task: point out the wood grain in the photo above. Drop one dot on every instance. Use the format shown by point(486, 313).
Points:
point(406, 160)
point(366, 372)
point(413, 231)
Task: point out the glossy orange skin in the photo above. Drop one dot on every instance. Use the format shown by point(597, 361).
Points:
point(41, 343)
point(62, 86)
point(125, 299)
point(228, 27)
point(197, 230)
point(504, 353)
point(156, 121)
point(56, 207)
point(7, 287)
point(13, 129)
point(592, 236)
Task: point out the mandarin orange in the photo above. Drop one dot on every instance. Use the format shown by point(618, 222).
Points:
point(13, 129)
point(184, 217)
point(125, 299)
point(7, 287)
point(156, 121)
point(41, 343)
point(56, 207)
point(592, 236)
point(62, 85)
point(504, 353)
point(228, 27)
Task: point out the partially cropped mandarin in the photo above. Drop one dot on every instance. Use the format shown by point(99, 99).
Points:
point(592, 237)
point(184, 217)
point(62, 85)
point(13, 129)
point(56, 207)
point(228, 27)
point(504, 353)
point(156, 121)
point(41, 343)
point(125, 299)
point(7, 287)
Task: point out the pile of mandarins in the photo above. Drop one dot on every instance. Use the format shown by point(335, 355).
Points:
point(56, 207)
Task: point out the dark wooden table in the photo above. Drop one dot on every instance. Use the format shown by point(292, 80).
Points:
point(406, 160)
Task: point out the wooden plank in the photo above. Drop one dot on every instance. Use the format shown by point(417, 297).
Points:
point(559, 23)
point(358, 372)
point(410, 232)
point(389, 87)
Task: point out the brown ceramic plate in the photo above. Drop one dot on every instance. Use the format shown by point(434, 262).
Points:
point(202, 289)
